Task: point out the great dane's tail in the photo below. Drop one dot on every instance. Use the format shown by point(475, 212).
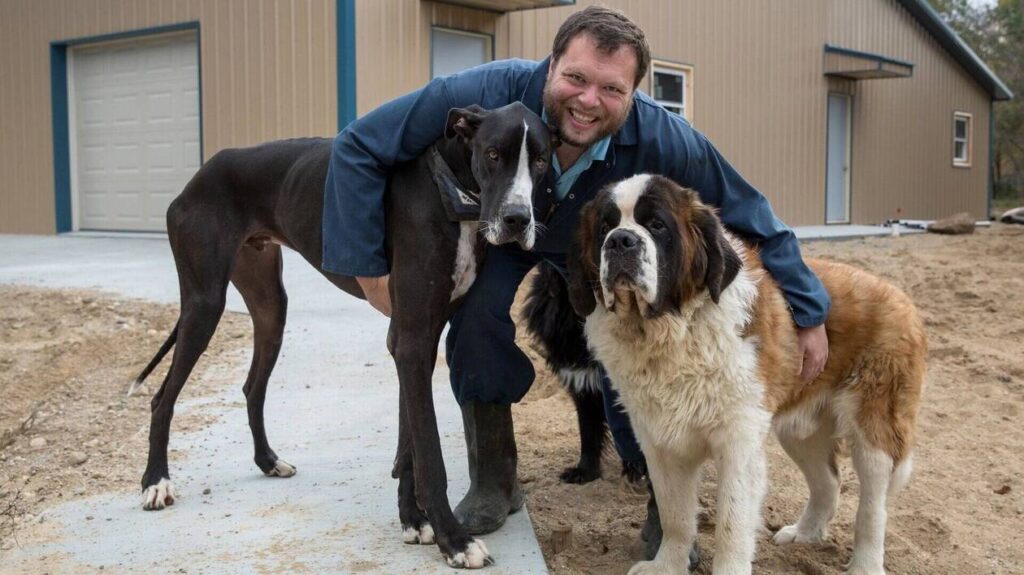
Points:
point(156, 360)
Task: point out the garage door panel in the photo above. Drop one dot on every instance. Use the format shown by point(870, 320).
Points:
point(137, 130)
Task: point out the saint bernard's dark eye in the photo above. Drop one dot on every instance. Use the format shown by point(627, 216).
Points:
point(656, 225)
point(605, 228)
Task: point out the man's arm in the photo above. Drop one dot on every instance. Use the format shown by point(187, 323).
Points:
point(746, 211)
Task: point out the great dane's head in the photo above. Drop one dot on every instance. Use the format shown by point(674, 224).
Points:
point(510, 150)
point(648, 245)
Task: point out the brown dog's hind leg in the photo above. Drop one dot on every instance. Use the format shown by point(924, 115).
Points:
point(257, 275)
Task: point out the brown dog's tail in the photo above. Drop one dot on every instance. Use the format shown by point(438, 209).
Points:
point(155, 361)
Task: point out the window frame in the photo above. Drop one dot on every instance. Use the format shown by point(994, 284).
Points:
point(488, 42)
point(968, 141)
point(676, 69)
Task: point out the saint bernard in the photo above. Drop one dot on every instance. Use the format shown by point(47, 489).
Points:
point(700, 343)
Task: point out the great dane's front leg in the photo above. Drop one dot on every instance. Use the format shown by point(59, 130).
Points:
point(415, 352)
point(416, 528)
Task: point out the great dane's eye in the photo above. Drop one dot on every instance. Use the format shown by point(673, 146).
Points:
point(492, 154)
point(541, 162)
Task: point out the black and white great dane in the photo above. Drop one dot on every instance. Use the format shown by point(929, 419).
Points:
point(229, 223)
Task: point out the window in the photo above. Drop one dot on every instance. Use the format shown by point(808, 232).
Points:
point(456, 50)
point(961, 139)
point(672, 87)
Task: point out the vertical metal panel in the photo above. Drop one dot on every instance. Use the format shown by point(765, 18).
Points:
point(393, 44)
point(268, 71)
point(759, 92)
point(902, 128)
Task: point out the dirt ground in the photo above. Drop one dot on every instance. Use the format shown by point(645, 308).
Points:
point(67, 430)
point(963, 512)
point(67, 359)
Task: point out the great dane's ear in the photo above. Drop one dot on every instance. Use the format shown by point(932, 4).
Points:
point(723, 263)
point(582, 265)
point(464, 121)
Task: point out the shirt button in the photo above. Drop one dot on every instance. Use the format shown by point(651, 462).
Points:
point(572, 196)
point(549, 190)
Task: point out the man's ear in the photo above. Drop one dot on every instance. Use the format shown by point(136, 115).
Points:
point(723, 263)
point(582, 267)
point(464, 121)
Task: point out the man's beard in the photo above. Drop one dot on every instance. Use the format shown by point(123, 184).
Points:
point(556, 112)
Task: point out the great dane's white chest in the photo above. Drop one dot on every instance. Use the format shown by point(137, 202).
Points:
point(464, 273)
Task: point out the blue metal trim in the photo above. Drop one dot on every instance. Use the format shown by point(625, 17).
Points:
point(59, 109)
point(61, 141)
point(346, 32)
point(193, 25)
point(867, 56)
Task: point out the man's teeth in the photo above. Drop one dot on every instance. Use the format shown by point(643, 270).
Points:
point(582, 117)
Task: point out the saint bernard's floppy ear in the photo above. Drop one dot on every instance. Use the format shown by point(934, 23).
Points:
point(464, 121)
point(583, 272)
point(722, 261)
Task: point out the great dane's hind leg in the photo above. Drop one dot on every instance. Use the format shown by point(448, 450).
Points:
point(416, 528)
point(203, 253)
point(257, 275)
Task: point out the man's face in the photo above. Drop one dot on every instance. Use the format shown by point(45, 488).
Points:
point(588, 93)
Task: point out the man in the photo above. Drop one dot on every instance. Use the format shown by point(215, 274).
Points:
point(586, 90)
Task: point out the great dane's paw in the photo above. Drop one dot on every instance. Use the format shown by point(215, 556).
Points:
point(579, 475)
point(790, 534)
point(422, 536)
point(474, 557)
point(649, 568)
point(158, 496)
point(281, 468)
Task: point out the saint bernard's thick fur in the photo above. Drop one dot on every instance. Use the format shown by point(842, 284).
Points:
point(701, 345)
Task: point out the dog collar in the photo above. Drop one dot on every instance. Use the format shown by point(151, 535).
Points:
point(460, 205)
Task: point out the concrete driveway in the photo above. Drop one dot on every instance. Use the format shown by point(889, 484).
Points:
point(332, 411)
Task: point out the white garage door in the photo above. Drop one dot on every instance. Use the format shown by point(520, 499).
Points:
point(136, 122)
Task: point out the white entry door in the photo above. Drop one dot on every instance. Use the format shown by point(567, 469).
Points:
point(135, 116)
point(837, 173)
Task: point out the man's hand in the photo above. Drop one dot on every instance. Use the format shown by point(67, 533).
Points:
point(813, 343)
point(376, 292)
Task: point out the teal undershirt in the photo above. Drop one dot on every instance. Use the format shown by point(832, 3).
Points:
point(564, 181)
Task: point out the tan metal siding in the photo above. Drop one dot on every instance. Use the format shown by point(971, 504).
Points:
point(393, 44)
point(902, 128)
point(759, 91)
point(269, 70)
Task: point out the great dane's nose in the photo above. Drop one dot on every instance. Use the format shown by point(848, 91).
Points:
point(516, 218)
point(622, 241)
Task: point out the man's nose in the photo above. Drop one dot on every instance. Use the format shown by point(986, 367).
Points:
point(589, 97)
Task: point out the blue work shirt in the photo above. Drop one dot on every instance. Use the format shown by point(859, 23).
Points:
point(652, 140)
point(565, 180)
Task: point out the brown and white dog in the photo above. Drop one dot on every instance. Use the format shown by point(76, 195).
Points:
point(700, 343)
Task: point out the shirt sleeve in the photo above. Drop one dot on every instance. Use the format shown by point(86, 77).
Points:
point(398, 131)
point(746, 211)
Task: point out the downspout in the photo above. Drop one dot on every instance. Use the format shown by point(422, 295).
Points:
point(991, 156)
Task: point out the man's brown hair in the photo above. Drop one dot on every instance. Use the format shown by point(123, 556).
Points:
point(611, 29)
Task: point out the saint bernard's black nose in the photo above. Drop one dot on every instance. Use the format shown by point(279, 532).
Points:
point(622, 241)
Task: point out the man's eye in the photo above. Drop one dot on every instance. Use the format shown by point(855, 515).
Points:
point(492, 154)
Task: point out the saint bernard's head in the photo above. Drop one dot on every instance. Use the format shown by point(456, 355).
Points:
point(649, 245)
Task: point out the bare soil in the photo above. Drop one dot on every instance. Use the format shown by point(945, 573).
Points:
point(964, 509)
point(68, 357)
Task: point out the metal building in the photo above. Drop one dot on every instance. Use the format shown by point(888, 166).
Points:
point(840, 111)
